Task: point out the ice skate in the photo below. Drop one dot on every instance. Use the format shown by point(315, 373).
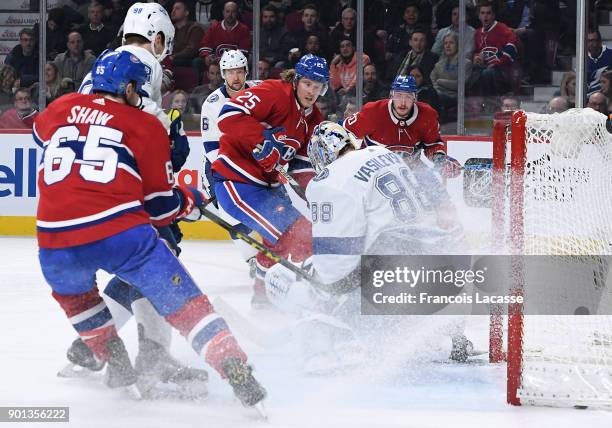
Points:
point(246, 388)
point(161, 375)
point(82, 361)
point(462, 349)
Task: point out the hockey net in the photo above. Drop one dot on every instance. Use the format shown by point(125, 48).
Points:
point(552, 186)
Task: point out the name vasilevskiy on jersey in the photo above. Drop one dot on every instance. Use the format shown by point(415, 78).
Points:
point(373, 165)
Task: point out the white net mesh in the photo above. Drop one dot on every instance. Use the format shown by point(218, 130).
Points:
point(567, 212)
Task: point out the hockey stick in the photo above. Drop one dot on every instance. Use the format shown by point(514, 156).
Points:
point(291, 181)
point(258, 245)
point(288, 178)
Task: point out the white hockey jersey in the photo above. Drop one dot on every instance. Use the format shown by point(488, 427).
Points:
point(211, 107)
point(153, 103)
point(361, 196)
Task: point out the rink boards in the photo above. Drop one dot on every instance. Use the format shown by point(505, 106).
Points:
point(19, 158)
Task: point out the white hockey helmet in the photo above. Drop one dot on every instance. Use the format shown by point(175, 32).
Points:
point(233, 59)
point(147, 20)
point(327, 141)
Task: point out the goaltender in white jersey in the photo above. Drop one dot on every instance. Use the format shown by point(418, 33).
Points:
point(148, 34)
point(362, 201)
point(365, 199)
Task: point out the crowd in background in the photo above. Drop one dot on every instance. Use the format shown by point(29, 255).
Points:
point(509, 45)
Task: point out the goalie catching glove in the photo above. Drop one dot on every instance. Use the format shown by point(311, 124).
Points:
point(447, 166)
point(276, 149)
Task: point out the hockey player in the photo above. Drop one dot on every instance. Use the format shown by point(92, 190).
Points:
point(245, 171)
point(104, 162)
point(403, 121)
point(234, 70)
point(366, 201)
point(148, 34)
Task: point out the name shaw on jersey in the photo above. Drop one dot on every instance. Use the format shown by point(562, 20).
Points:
point(80, 114)
point(370, 167)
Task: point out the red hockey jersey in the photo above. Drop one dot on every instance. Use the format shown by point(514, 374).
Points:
point(219, 39)
point(242, 121)
point(377, 125)
point(102, 163)
point(497, 46)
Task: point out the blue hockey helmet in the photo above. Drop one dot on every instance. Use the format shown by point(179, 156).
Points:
point(404, 84)
point(113, 70)
point(314, 68)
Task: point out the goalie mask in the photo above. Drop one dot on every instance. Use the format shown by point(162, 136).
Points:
point(327, 141)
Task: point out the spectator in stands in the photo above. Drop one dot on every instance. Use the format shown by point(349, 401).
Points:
point(468, 44)
point(373, 90)
point(557, 105)
point(310, 27)
point(398, 42)
point(509, 103)
point(96, 36)
point(264, 69)
point(8, 80)
point(75, 63)
point(324, 107)
point(346, 28)
point(227, 34)
point(178, 100)
point(538, 29)
point(22, 115)
point(350, 106)
point(598, 102)
point(274, 40)
point(445, 76)
point(313, 45)
point(425, 91)
point(199, 93)
point(343, 68)
point(599, 59)
point(568, 88)
point(418, 55)
point(24, 58)
point(605, 83)
point(56, 86)
point(495, 53)
point(187, 35)
point(56, 32)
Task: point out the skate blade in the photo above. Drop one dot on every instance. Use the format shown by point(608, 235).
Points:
point(261, 410)
point(73, 371)
point(133, 392)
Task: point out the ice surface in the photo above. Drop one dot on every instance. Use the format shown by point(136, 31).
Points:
point(394, 393)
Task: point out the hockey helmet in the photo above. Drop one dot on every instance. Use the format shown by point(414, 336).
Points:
point(147, 20)
point(404, 84)
point(327, 141)
point(233, 59)
point(113, 70)
point(314, 68)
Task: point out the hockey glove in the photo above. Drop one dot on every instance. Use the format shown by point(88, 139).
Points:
point(447, 166)
point(192, 200)
point(179, 145)
point(208, 183)
point(275, 149)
